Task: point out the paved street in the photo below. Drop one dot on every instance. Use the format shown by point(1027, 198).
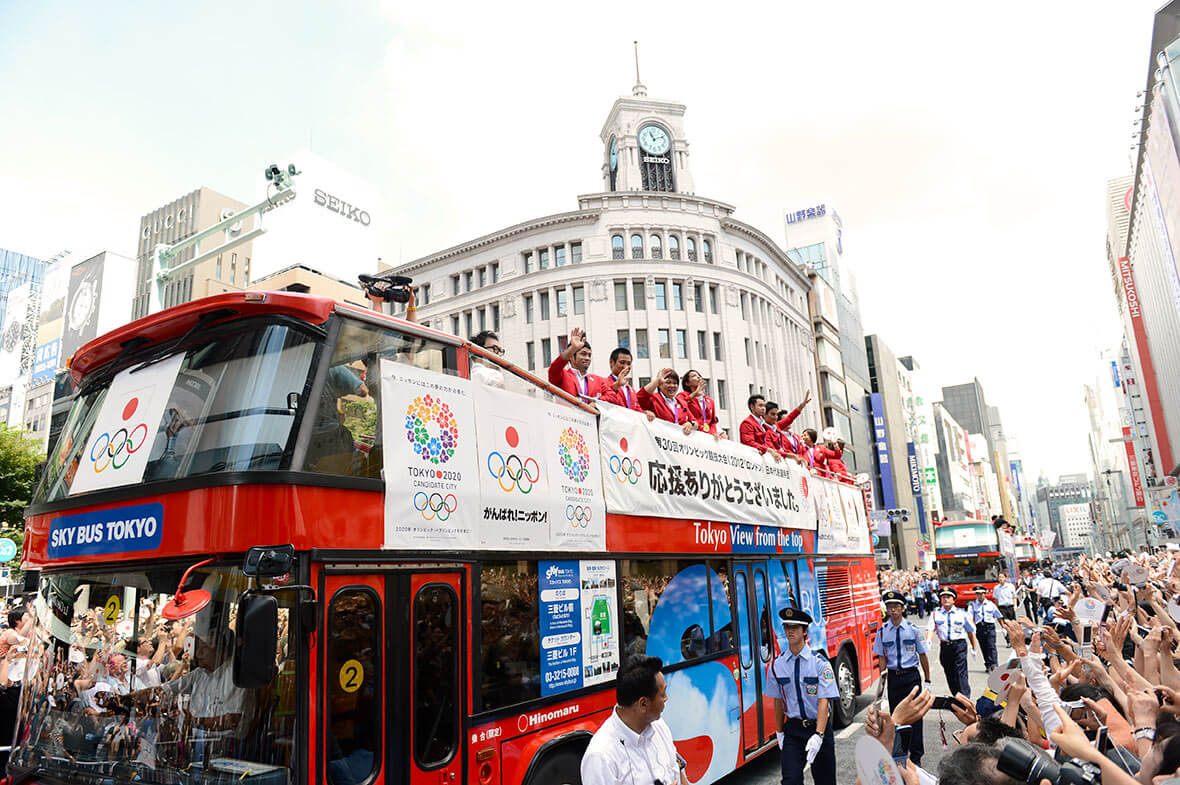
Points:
point(766, 771)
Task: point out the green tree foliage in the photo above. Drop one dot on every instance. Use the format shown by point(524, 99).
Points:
point(19, 456)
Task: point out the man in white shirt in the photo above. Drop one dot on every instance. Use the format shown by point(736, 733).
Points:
point(634, 745)
point(483, 371)
point(1048, 589)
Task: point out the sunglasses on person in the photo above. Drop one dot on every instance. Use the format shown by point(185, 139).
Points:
point(497, 350)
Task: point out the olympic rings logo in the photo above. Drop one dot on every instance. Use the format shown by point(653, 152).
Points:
point(579, 517)
point(116, 450)
point(573, 455)
point(517, 470)
point(625, 469)
point(435, 505)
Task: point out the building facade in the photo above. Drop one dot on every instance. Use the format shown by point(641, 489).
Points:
point(1070, 489)
point(815, 241)
point(15, 270)
point(645, 264)
point(177, 220)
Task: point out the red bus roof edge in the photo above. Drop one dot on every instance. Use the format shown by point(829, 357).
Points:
point(174, 322)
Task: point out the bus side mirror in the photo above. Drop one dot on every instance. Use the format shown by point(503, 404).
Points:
point(269, 561)
point(257, 629)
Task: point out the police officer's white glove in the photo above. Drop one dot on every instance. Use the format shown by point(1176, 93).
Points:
point(974, 653)
point(813, 744)
point(927, 687)
point(779, 734)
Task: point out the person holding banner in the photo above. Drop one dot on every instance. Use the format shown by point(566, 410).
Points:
point(570, 369)
point(803, 686)
point(659, 397)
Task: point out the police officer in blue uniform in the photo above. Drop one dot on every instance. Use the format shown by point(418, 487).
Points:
point(954, 628)
point(803, 685)
point(985, 614)
point(900, 647)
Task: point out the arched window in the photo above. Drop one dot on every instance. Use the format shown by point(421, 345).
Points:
point(636, 246)
point(616, 246)
point(691, 245)
point(673, 247)
point(657, 248)
point(708, 249)
point(614, 162)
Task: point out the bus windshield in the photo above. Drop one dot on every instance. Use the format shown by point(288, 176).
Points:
point(972, 569)
point(962, 536)
point(114, 692)
point(232, 407)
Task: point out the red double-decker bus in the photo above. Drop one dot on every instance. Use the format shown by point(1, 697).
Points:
point(287, 540)
point(967, 555)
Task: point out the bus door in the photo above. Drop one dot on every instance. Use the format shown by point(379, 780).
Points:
point(756, 648)
point(392, 648)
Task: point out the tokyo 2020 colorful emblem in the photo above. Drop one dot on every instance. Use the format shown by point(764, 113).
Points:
point(512, 471)
point(623, 468)
point(114, 450)
point(573, 455)
point(435, 449)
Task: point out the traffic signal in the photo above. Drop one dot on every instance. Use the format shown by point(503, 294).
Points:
point(900, 515)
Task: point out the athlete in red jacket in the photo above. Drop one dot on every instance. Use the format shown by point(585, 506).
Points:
point(701, 408)
point(659, 396)
point(617, 387)
point(752, 430)
point(569, 369)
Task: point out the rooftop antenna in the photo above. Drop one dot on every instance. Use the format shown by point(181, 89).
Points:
point(638, 89)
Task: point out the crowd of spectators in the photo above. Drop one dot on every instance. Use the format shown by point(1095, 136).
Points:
point(1091, 693)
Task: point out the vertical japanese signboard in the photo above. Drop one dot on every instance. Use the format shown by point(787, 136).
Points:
point(1133, 468)
point(579, 615)
point(880, 437)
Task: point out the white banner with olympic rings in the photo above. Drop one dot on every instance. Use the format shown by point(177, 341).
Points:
point(126, 426)
point(428, 429)
point(538, 474)
point(654, 469)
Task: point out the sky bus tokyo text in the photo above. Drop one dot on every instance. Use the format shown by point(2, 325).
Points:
point(280, 601)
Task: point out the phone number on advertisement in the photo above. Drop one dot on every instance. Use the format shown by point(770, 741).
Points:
point(561, 674)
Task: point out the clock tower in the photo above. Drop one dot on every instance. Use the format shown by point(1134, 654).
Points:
point(644, 148)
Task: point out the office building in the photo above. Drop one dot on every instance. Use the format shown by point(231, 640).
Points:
point(815, 241)
point(17, 269)
point(177, 220)
point(644, 263)
point(1069, 489)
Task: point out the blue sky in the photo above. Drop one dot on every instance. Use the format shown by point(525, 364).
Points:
point(966, 151)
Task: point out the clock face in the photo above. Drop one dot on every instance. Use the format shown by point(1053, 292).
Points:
point(614, 154)
point(82, 307)
point(654, 140)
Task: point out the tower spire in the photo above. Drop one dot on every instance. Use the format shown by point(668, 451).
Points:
point(638, 89)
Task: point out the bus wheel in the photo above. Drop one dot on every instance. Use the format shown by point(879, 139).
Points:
point(562, 766)
point(846, 682)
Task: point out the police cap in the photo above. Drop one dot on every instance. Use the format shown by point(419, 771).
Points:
point(794, 616)
point(893, 596)
point(948, 593)
point(980, 588)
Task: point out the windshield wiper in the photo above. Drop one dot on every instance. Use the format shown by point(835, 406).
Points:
point(202, 321)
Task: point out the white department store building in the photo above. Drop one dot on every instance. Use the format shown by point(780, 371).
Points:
point(646, 264)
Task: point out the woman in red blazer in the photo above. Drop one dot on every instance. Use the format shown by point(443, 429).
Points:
point(659, 397)
point(701, 408)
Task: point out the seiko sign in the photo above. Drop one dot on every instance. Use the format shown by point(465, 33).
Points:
point(350, 211)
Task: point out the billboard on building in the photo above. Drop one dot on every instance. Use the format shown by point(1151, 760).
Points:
point(47, 355)
point(881, 438)
point(12, 332)
point(83, 293)
point(333, 224)
point(98, 299)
